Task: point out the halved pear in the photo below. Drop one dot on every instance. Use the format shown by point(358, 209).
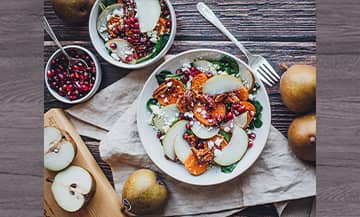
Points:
point(240, 121)
point(148, 12)
point(202, 131)
point(72, 188)
point(178, 129)
point(235, 150)
point(52, 136)
point(58, 152)
point(221, 84)
point(205, 66)
point(182, 148)
point(166, 117)
point(101, 23)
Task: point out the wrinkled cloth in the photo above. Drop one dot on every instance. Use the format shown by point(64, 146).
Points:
point(276, 177)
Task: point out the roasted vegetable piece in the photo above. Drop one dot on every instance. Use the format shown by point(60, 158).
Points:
point(194, 166)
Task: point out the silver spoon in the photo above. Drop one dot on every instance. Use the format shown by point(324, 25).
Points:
point(71, 60)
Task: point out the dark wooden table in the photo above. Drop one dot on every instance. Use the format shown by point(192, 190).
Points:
point(284, 31)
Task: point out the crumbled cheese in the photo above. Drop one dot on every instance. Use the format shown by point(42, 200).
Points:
point(191, 123)
point(166, 100)
point(227, 129)
point(211, 144)
point(232, 124)
point(156, 110)
point(203, 112)
point(108, 17)
point(186, 65)
point(154, 40)
point(115, 56)
point(189, 114)
point(218, 141)
point(210, 120)
point(251, 97)
point(118, 12)
point(103, 29)
point(162, 95)
point(169, 84)
point(198, 110)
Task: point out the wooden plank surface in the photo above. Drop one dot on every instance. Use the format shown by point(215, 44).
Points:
point(284, 31)
point(96, 207)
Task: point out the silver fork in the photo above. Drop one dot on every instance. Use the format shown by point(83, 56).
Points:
point(257, 63)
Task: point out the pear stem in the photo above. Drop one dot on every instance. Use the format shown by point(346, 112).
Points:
point(284, 67)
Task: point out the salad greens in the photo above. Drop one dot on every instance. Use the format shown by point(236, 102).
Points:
point(157, 48)
point(104, 3)
point(165, 74)
point(256, 122)
point(225, 135)
point(150, 102)
point(227, 64)
point(229, 169)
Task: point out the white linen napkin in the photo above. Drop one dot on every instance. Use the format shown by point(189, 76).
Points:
point(277, 176)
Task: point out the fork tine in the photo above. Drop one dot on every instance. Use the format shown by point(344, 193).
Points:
point(271, 69)
point(268, 73)
point(263, 72)
point(263, 79)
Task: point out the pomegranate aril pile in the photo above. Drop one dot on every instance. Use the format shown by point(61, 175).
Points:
point(74, 82)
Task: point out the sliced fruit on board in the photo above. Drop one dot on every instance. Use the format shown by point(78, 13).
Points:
point(52, 136)
point(235, 150)
point(72, 188)
point(202, 131)
point(178, 129)
point(240, 121)
point(58, 152)
point(166, 117)
point(248, 78)
point(101, 24)
point(221, 84)
point(182, 148)
point(59, 156)
point(123, 48)
point(148, 12)
point(205, 66)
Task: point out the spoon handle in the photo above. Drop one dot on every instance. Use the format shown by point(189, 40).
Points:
point(52, 35)
point(208, 14)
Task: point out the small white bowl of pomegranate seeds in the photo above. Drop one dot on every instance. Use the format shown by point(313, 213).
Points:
point(74, 83)
point(132, 34)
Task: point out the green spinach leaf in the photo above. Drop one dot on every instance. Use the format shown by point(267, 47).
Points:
point(150, 102)
point(225, 135)
point(229, 169)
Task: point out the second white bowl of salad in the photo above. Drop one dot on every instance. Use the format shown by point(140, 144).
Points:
point(203, 117)
point(132, 33)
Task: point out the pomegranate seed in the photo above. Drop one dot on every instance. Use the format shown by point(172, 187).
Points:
point(113, 46)
point(187, 72)
point(193, 69)
point(200, 145)
point(116, 31)
point(251, 113)
point(166, 12)
point(208, 116)
point(188, 126)
point(178, 71)
point(252, 136)
point(186, 136)
point(50, 73)
point(241, 109)
point(133, 20)
point(158, 135)
point(209, 75)
point(250, 144)
point(136, 25)
point(168, 23)
point(229, 116)
point(129, 58)
point(181, 117)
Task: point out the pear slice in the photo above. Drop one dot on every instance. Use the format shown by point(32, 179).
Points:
point(240, 121)
point(205, 66)
point(182, 148)
point(72, 188)
point(221, 84)
point(178, 129)
point(148, 12)
point(235, 150)
point(248, 78)
point(101, 23)
point(166, 117)
point(202, 131)
point(123, 49)
point(58, 153)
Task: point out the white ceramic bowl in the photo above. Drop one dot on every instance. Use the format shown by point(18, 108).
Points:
point(96, 84)
point(98, 42)
point(153, 146)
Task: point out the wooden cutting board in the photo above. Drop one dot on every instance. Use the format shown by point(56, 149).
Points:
point(105, 202)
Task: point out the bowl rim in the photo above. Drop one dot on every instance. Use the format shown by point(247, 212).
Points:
point(267, 130)
point(93, 33)
point(96, 83)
